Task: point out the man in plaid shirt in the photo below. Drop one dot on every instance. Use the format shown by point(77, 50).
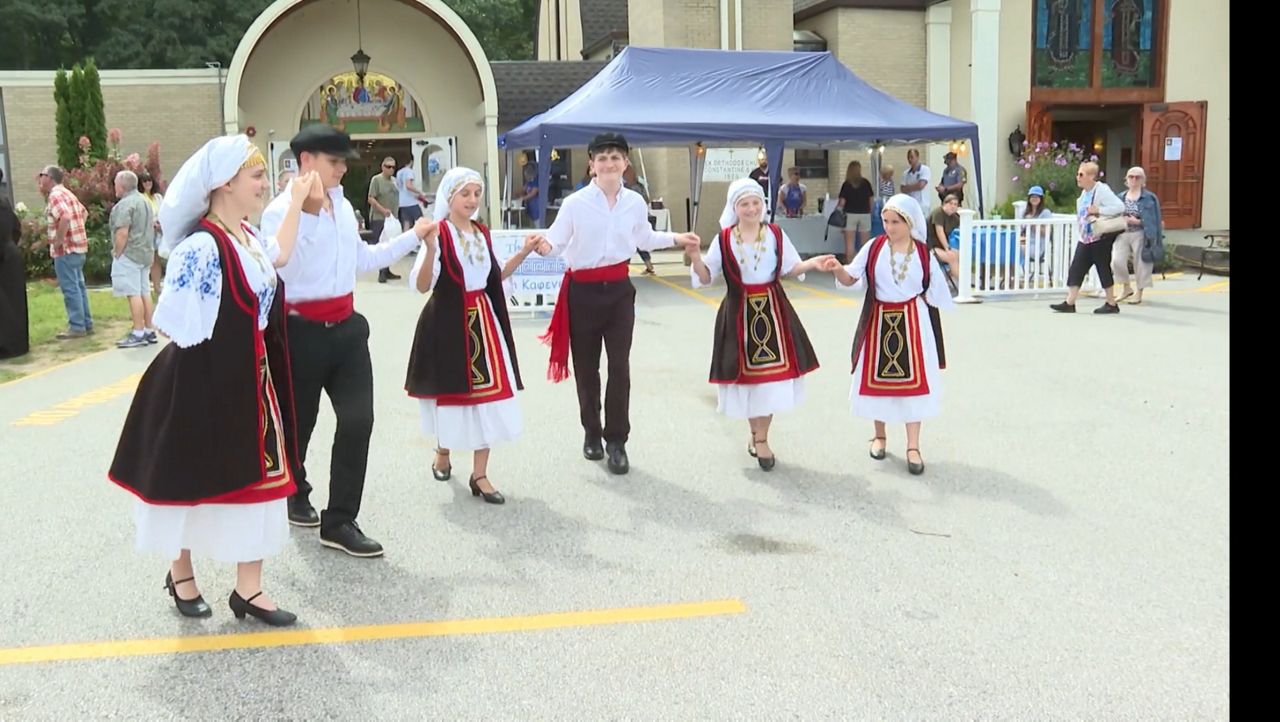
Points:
point(68, 245)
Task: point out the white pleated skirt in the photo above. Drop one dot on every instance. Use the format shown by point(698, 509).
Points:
point(748, 401)
point(481, 426)
point(221, 532)
point(903, 409)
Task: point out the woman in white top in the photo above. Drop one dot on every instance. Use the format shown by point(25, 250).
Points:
point(761, 351)
point(462, 365)
point(209, 447)
point(897, 350)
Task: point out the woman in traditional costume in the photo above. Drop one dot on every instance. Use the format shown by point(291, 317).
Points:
point(462, 366)
point(209, 445)
point(760, 352)
point(897, 349)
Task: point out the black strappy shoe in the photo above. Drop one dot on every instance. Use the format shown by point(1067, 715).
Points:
point(275, 617)
point(913, 467)
point(766, 463)
point(187, 607)
point(880, 455)
point(441, 474)
point(491, 497)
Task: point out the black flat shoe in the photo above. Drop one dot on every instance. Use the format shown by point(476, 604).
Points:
point(913, 467)
point(593, 448)
point(490, 497)
point(274, 617)
point(618, 461)
point(1064, 307)
point(877, 455)
point(766, 462)
point(442, 474)
point(187, 607)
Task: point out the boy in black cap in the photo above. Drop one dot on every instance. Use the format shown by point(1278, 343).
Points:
point(328, 340)
point(598, 229)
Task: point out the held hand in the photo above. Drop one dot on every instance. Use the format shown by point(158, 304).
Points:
point(689, 241)
point(830, 264)
point(817, 262)
point(425, 228)
point(1091, 210)
point(540, 243)
point(531, 243)
point(314, 201)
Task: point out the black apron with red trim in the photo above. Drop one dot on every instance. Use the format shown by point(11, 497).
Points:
point(215, 422)
point(758, 336)
point(456, 357)
point(889, 338)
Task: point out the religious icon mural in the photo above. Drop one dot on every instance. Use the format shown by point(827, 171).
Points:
point(378, 105)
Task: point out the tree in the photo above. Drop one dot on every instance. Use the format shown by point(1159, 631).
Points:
point(503, 27)
point(95, 118)
point(66, 138)
point(186, 34)
point(76, 107)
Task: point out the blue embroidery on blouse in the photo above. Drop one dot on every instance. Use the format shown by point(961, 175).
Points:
point(201, 270)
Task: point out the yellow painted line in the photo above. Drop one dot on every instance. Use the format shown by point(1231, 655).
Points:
point(1214, 287)
point(714, 303)
point(372, 633)
point(53, 368)
point(842, 300)
point(67, 409)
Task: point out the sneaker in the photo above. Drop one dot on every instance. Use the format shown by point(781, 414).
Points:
point(1064, 307)
point(152, 337)
point(132, 340)
point(1107, 308)
point(348, 537)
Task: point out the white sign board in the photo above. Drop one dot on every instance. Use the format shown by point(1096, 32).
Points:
point(1173, 149)
point(729, 164)
point(536, 283)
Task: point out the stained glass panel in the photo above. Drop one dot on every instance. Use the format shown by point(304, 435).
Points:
point(1062, 44)
point(1128, 44)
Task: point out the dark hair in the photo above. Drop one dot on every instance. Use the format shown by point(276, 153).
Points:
point(1026, 210)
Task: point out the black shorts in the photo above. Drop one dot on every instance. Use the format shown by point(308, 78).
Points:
point(409, 215)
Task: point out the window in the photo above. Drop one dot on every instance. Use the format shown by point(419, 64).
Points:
point(812, 163)
point(1064, 33)
point(1128, 46)
point(1099, 45)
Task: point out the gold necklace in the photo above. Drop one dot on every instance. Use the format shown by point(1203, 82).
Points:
point(757, 244)
point(473, 248)
point(899, 272)
point(254, 253)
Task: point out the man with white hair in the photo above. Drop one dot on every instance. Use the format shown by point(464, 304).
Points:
point(132, 251)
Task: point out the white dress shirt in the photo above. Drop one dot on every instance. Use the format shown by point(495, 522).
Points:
point(591, 235)
point(329, 252)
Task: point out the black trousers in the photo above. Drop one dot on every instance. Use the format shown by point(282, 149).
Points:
point(603, 314)
point(335, 360)
point(1096, 254)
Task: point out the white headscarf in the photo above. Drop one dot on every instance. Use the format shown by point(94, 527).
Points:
point(186, 200)
point(909, 208)
point(738, 190)
point(451, 183)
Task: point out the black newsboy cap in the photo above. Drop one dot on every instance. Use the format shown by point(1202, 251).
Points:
point(608, 140)
point(320, 138)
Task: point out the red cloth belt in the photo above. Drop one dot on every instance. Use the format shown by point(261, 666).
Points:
point(557, 334)
point(324, 310)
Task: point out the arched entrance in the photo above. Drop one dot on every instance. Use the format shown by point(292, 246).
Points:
point(296, 50)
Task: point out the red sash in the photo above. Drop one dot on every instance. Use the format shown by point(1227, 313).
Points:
point(324, 310)
point(557, 334)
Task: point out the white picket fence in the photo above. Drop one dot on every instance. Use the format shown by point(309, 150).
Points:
point(1016, 256)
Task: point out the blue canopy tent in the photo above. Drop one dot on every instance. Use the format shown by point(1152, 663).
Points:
point(682, 96)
